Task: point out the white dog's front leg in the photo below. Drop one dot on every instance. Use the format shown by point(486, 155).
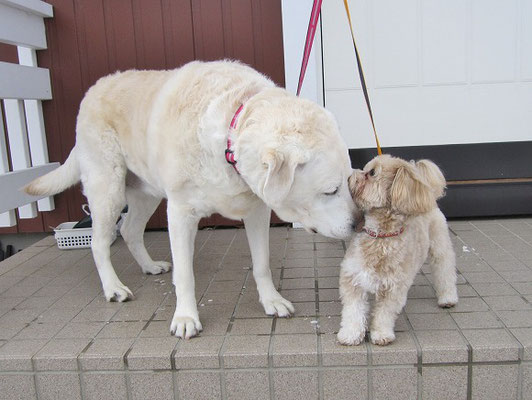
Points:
point(257, 230)
point(182, 227)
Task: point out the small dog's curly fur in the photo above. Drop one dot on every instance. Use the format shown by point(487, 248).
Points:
point(403, 225)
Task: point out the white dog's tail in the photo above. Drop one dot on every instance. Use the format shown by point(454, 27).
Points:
point(58, 180)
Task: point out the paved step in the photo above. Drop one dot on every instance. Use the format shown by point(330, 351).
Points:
point(60, 339)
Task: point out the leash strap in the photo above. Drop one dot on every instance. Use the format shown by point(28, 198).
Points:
point(362, 79)
point(311, 31)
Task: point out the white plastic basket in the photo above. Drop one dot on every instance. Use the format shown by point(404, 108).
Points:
point(79, 238)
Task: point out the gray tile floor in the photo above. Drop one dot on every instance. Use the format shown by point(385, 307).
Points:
point(59, 339)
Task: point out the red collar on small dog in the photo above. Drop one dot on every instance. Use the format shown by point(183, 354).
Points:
point(229, 153)
point(381, 235)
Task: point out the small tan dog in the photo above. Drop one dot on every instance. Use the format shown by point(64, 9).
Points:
point(403, 225)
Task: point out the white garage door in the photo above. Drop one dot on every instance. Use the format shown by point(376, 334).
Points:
point(439, 71)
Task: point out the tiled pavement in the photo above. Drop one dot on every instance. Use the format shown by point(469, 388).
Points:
point(59, 339)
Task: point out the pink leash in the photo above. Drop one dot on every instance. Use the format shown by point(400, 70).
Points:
point(311, 32)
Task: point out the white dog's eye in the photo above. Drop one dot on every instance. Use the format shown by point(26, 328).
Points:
point(372, 172)
point(331, 193)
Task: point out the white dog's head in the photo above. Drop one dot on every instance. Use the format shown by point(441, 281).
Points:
point(407, 188)
point(301, 167)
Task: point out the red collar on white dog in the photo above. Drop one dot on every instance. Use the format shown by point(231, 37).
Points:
point(229, 153)
point(382, 235)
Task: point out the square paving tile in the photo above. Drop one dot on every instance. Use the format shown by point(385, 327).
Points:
point(294, 350)
point(104, 386)
point(442, 346)
point(472, 320)
point(402, 382)
point(402, 351)
point(345, 384)
point(105, 354)
point(295, 385)
point(198, 385)
point(333, 353)
point(247, 384)
point(53, 386)
point(151, 385)
point(492, 345)
point(445, 383)
point(252, 326)
point(200, 352)
point(494, 382)
point(246, 351)
point(60, 355)
point(152, 353)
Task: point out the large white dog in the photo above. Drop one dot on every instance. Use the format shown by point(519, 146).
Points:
point(145, 135)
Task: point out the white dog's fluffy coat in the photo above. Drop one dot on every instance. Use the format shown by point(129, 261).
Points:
point(398, 198)
point(145, 135)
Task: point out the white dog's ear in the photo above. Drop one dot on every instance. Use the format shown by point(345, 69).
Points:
point(433, 176)
point(280, 175)
point(410, 194)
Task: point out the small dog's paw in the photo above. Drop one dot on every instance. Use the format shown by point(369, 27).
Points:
point(158, 267)
point(185, 327)
point(278, 306)
point(382, 338)
point(117, 292)
point(351, 336)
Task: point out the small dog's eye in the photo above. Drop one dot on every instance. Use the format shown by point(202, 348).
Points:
point(372, 172)
point(331, 193)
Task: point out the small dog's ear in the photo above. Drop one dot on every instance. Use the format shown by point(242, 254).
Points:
point(433, 176)
point(410, 194)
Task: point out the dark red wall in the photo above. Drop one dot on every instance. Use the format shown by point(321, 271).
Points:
point(88, 39)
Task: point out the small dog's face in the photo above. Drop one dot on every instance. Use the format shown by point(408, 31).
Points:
point(403, 187)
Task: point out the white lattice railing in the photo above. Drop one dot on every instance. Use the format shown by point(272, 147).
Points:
point(22, 87)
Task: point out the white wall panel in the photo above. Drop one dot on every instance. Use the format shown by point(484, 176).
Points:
point(395, 27)
point(340, 68)
point(436, 115)
point(526, 39)
point(493, 40)
point(444, 41)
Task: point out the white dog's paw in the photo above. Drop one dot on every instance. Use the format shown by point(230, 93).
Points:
point(448, 300)
point(351, 336)
point(185, 327)
point(158, 267)
point(278, 306)
point(382, 338)
point(117, 292)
